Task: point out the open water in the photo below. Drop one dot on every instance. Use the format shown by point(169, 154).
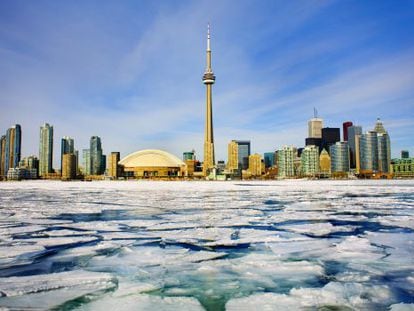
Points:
point(278, 245)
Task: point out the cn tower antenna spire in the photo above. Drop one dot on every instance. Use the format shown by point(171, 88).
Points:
point(208, 37)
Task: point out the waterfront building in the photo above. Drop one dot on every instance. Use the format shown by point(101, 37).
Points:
point(375, 153)
point(405, 154)
point(96, 156)
point(68, 166)
point(368, 153)
point(255, 165)
point(345, 127)
point(153, 164)
point(330, 135)
point(46, 150)
point(238, 155)
point(340, 159)
point(31, 165)
point(86, 162)
point(11, 148)
point(310, 161)
point(324, 164)
point(286, 158)
point(114, 169)
point(67, 146)
point(403, 168)
point(208, 79)
point(269, 159)
point(353, 131)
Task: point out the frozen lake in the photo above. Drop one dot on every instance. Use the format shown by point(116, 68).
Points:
point(278, 245)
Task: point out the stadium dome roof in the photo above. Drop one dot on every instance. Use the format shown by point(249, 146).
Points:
point(151, 158)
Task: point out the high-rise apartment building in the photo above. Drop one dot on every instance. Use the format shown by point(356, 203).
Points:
point(46, 150)
point(238, 155)
point(86, 162)
point(67, 146)
point(310, 161)
point(11, 148)
point(345, 127)
point(208, 79)
point(255, 165)
point(353, 132)
point(368, 153)
point(384, 153)
point(286, 158)
point(330, 135)
point(96, 155)
point(339, 158)
point(68, 166)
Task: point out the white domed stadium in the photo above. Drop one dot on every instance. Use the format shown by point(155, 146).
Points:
point(153, 163)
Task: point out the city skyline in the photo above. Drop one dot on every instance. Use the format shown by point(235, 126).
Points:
point(142, 89)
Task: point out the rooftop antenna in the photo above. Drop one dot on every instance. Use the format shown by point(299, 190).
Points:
point(315, 113)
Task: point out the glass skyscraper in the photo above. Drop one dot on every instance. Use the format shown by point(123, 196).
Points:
point(67, 146)
point(339, 157)
point(96, 156)
point(11, 149)
point(46, 150)
point(368, 149)
point(352, 132)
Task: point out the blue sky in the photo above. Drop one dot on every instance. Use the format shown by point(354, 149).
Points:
point(130, 71)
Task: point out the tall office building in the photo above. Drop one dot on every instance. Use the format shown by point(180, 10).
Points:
point(384, 153)
point(46, 150)
point(96, 155)
point(310, 161)
point(353, 132)
point(368, 153)
point(208, 79)
point(339, 158)
point(86, 162)
point(286, 158)
point(67, 146)
point(345, 127)
point(315, 128)
point(330, 135)
point(238, 155)
point(379, 127)
point(12, 148)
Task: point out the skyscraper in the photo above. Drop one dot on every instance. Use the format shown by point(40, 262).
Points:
point(68, 166)
point(96, 155)
point(368, 149)
point(330, 135)
point(285, 161)
point(208, 79)
point(324, 163)
point(345, 127)
point(269, 159)
point(86, 162)
point(12, 148)
point(315, 128)
point(353, 131)
point(405, 154)
point(255, 165)
point(67, 146)
point(310, 161)
point(339, 158)
point(238, 155)
point(46, 150)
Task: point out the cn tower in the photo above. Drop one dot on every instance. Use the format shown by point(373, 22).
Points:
point(208, 79)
